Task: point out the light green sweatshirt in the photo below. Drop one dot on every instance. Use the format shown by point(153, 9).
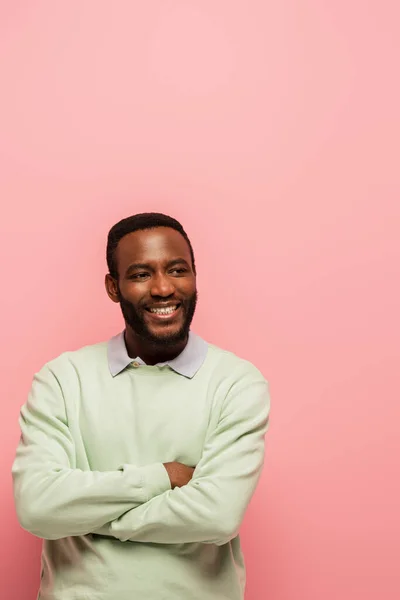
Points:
point(89, 476)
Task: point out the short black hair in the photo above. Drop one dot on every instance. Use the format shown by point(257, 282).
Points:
point(140, 222)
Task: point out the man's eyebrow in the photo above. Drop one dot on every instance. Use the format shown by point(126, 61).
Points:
point(146, 266)
point(177, 261)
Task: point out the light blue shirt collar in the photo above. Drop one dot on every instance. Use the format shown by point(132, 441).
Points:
point(187, 363)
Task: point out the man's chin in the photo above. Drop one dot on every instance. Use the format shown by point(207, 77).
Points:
point(167, 338)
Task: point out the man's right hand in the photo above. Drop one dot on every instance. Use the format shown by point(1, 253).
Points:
point(178, 473)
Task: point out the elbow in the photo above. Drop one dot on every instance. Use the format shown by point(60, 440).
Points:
point(35, 521)
point(226, 527)
point(28, 519)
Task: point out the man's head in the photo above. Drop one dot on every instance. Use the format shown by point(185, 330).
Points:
point(152, 274)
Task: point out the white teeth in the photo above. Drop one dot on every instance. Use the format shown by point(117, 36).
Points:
point(163, 311)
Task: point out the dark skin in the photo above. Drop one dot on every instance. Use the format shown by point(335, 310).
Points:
point(155, 270)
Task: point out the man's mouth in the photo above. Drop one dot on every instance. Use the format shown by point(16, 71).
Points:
point(164, 312)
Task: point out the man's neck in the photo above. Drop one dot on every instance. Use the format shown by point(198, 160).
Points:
point(151, 353)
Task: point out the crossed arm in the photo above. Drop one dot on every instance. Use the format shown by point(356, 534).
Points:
point(54, 499)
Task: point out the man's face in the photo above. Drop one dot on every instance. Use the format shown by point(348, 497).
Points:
point(156, 285)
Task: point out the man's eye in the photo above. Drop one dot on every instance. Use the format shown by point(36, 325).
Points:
point(179, 271)
point(139, 276)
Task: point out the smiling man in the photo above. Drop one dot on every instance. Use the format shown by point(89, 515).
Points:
point(139, 456)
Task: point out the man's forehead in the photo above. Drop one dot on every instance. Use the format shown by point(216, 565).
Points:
point(152, 243)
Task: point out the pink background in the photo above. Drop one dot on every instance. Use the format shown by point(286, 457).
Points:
point(271, 129)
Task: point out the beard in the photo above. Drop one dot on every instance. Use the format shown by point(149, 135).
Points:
point(134, 317)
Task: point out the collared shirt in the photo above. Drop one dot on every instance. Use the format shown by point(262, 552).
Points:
point(187, 363)
point(90, 478)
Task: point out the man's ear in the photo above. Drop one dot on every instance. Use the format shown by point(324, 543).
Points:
point(111, 287)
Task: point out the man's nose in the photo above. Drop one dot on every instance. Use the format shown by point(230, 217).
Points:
point(162, 286)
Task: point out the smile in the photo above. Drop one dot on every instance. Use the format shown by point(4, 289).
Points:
point(166, 312)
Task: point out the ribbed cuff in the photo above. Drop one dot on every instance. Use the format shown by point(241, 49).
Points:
point(156, 480)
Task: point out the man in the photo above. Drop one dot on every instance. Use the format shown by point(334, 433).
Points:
point(138, 457)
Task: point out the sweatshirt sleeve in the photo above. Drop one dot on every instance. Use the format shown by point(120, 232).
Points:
point(211, 507)
point(53, 499)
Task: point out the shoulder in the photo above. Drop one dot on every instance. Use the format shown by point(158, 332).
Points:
point(56, 378)
point(229, 366)
point(241, 387)
point(86, 359)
